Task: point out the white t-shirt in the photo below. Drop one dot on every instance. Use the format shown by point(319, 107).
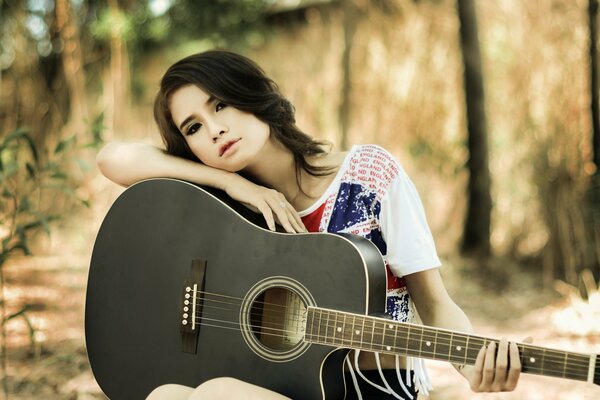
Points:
point(372, 196)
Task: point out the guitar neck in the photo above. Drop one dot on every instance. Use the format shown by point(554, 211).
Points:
point(341, 329)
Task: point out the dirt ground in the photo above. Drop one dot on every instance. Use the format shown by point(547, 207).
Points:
point(56, 367)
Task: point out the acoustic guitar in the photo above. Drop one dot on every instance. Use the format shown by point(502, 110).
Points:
point(186, 285)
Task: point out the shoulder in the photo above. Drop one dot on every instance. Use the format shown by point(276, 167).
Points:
point(375, 158)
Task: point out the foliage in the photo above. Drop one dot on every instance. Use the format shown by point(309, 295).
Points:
point(28, 176)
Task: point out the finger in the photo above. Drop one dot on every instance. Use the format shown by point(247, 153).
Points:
point(475, 380)
point(293, 216)
point(265, 210)
point(296, 220)
point(488, 367)
point(279, 207)
point(515, 367)
point(299, 221)
point(501, 366)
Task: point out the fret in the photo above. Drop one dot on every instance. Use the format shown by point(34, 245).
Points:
point(327, 327)
point(384, 325)
point(352, 331)
point(534, 359)
point(444, 345)
point(389, 340)
point(344, 331)
point(466, 351)
point(578, 367)
point(414, 341)
point(475, 345)
point(395, 337)
point(319, 330)
point(377, 338)
point(335, 328)
point(362, 333)
point(370, 329)
point(458, 349)
point(427, 343)
point(309, 329)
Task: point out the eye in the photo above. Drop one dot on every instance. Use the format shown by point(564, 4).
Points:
point(220, 106)
point(193, 129)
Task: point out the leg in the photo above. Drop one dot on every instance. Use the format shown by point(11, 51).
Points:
point(170, 392)
point(231, 388)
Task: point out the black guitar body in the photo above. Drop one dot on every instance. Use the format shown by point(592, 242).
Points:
point(142, 257)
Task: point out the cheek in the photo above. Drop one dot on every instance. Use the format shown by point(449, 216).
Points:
point(198, 149)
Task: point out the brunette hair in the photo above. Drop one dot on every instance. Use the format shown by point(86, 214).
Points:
point(238, 82)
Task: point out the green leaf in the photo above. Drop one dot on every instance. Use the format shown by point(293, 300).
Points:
point(22, 134)
point(30, 170)
point(24, 205)
point(20, 246)
point(59, 175)
point(7, 193)
point(64, 144)
point(84, 165)
point(17, 314)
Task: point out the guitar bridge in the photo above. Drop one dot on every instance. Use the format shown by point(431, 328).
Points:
point(191, 307)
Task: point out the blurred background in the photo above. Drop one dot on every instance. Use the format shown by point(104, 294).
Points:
point(491, 107)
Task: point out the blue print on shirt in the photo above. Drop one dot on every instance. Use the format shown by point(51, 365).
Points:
point(397, 307)
point(354, 205)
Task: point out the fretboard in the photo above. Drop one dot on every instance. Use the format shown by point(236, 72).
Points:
point(341, 329)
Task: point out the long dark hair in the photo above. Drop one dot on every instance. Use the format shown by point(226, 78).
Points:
point(238, 82)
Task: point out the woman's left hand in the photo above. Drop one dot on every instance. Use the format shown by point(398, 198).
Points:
point(495, 371)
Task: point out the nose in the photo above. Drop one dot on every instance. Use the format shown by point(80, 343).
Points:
point(216, 130)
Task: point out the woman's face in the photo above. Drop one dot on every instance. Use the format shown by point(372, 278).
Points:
point(221, 136)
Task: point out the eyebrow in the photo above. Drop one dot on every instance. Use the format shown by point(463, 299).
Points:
point(211, 99)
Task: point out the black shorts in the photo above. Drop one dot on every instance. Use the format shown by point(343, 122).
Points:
point(370, 392)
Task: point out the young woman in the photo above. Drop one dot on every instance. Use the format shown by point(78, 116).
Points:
point(226, 125)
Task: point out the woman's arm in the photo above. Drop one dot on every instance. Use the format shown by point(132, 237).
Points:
point(126, 163)
point(491, 372)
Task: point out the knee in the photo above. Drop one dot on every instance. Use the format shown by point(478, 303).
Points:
point(170, 392)
point(216, 388)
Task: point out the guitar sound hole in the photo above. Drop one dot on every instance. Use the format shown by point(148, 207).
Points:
point(277, 319)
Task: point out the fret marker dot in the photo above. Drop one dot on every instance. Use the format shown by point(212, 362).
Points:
point(357, 332)
point(390, 326)
point(388, 348)
point(428, 343)
point(532, 359)
point(458, 348)
point(339, 329)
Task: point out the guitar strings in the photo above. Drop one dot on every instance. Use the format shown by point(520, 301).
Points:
point(457, 357)
point(547, 353)
point(572, 372)
point(547, 357)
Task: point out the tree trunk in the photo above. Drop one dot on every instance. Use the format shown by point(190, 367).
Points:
point(593, 194)
point(73, 66)
point(117, 83)
point(476, 233)
point(595, 110)
point(350, 19)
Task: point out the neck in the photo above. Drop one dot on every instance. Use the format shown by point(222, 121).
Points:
point(275, 169)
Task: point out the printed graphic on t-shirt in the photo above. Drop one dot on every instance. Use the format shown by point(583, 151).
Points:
point(355, 208)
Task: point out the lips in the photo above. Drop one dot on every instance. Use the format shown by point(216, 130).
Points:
point(226, 146)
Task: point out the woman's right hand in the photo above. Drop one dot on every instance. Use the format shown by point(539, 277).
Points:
point(269, 202)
